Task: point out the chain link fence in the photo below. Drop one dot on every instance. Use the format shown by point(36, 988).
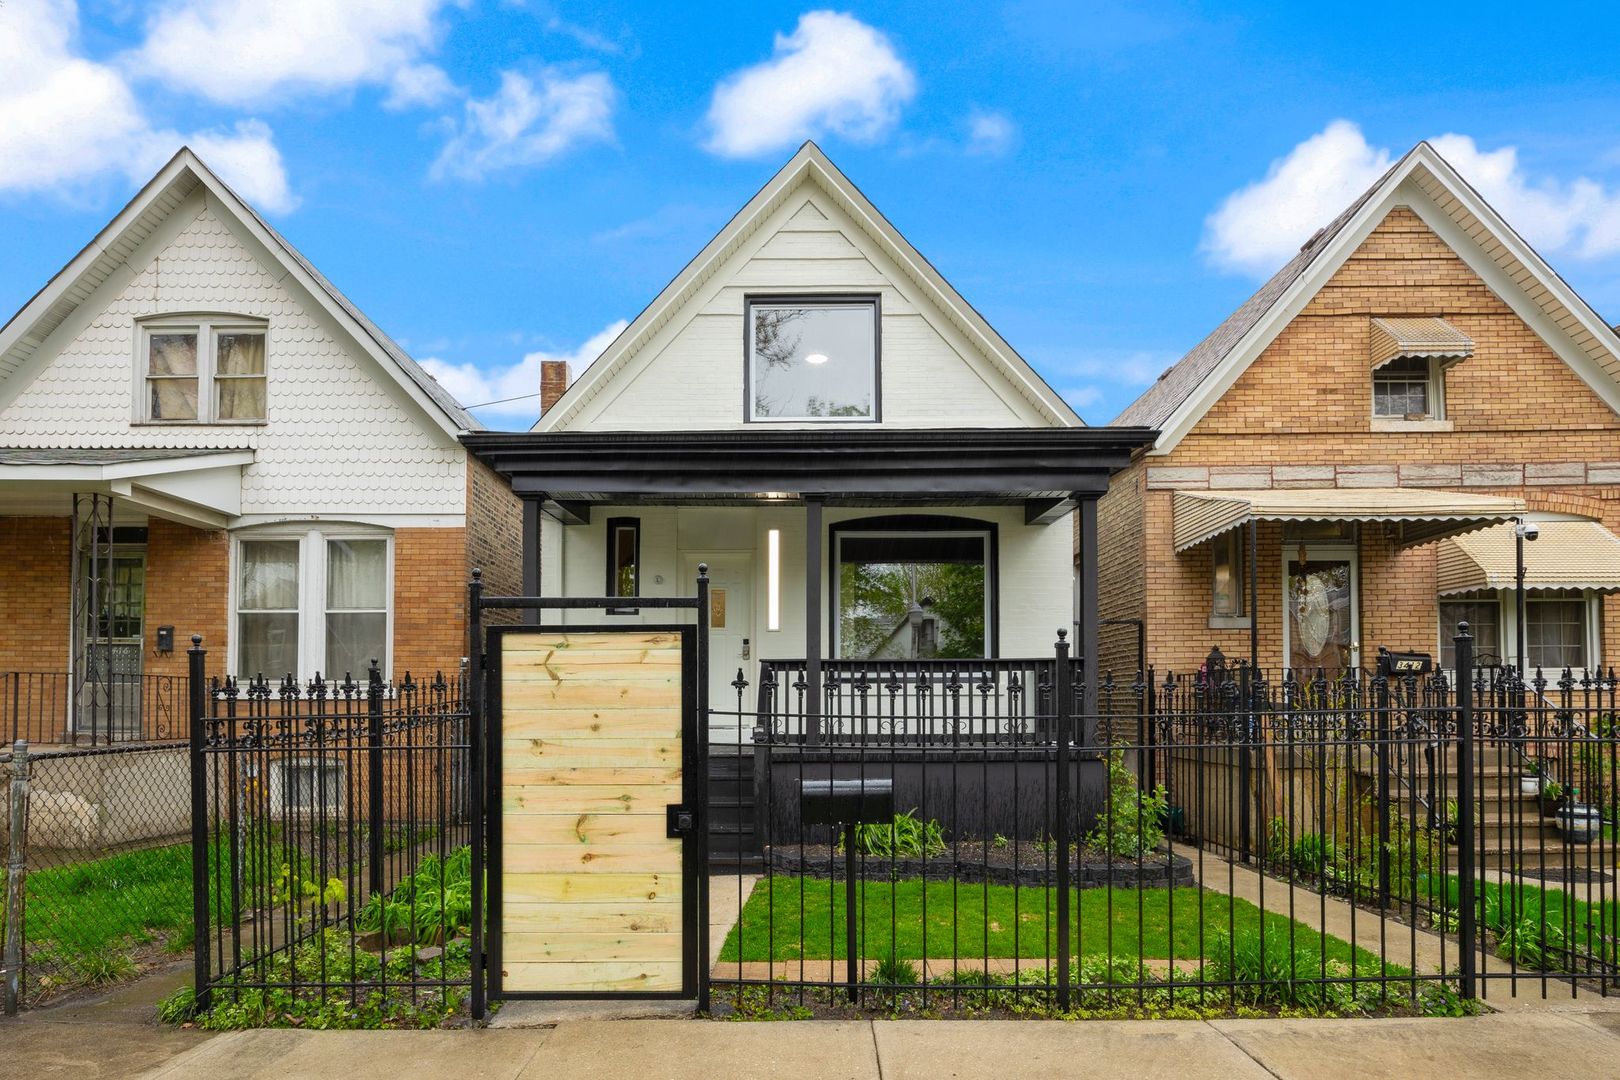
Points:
point(98, 871)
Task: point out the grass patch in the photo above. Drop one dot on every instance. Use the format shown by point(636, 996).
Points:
point(1539, 928)
point(791, 918)
point(92, 923)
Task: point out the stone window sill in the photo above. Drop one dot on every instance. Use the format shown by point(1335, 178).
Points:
point(1228, 622)
point(1388, 423)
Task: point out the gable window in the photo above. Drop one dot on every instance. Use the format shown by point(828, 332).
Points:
point(1227, 579)
point(311, 601)
point(916, 593)
point(812, 358)
point(623, 561)
point(1407, 388)
point(203, 370)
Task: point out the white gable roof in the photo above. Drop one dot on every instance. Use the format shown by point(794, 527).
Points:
point(1427, 184)
point(107, 253)
point(809, 166)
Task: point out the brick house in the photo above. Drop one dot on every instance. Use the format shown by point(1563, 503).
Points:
point(1341, 463)
point(200, 434)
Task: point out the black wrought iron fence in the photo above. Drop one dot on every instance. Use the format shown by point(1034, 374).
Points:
point(43, 708)
point(1215, 840)
point(337, 864)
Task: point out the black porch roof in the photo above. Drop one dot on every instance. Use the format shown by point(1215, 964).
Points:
point(885, 464)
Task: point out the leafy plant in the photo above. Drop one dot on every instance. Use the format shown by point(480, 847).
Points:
point(1132, 822)
point(904, 838)
point(892, 971)
point(1528, 944)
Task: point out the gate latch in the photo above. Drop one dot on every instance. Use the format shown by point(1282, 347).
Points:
point(681, 821)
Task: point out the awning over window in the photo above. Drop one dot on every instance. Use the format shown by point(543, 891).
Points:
point(1420, 514)
point(1567, 555)
point(1424, 337)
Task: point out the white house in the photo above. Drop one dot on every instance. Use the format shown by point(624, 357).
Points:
point(200, 434)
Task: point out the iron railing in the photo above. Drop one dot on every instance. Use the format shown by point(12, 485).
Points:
point(41, 708)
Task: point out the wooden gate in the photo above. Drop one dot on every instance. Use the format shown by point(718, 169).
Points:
point(594, 752)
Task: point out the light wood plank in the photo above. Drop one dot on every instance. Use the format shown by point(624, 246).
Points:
point(663, 857)
point(588, 753)
point(522, 723)
point(582, 889)
point(534, 694)
point(594, 776)
point(656, 917)
point(521, 947)
point(590, 798)
point(590, 642)
point(610, 976)
point(586, 830)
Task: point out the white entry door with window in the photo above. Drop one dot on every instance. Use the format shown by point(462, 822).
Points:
point(1321, 616)
point(731, 639)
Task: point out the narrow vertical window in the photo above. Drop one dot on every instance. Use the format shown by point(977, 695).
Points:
point(267, 608)
point(239, 374)
point(773, 579)
point(623, 560)
point(171, 374)
point(356, 605)
point(1226, 583)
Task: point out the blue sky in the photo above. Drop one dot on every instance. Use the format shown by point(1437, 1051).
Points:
point(495, 182)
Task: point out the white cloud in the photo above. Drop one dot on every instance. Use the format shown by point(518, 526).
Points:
point(528, 122)
point(1087, 378)
point(1260, 227)
point(473, 385)
point(833, 74)
point(990, 134)
point(66, 120)
point(418, 84)
point(241, 52)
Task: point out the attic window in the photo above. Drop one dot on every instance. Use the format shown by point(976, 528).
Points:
point(1404, 389)
point(1409, 358)
point(203, 370)
point(812, 358)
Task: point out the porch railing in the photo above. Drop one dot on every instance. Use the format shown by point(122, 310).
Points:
point(42, 708)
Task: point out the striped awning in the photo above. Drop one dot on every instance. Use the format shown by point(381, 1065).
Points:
point(1421, 514)
point(1423, 336)
point(1567, 555)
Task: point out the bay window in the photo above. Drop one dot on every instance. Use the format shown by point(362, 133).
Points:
point(311, 601)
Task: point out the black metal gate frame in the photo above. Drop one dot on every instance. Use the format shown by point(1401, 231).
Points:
point(486, 764)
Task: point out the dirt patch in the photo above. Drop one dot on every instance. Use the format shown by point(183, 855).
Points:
point(1000, 864)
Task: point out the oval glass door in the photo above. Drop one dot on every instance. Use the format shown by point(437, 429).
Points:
point(1321, 615)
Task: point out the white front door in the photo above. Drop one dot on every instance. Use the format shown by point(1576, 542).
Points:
point(731, 639)
point(1321, 617)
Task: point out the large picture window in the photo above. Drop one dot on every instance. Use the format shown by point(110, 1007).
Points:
point(812, 358)
point(311, 601)
point(913, 595)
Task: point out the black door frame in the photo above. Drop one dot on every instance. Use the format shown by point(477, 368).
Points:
point(484, 680)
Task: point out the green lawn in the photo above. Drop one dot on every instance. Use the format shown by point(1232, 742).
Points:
point(83, 923)
point(971, 921)
point(1581, 927)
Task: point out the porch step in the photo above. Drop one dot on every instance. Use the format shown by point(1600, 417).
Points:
point(733, 843)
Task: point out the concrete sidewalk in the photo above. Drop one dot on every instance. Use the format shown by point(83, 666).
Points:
point(1496, 1047)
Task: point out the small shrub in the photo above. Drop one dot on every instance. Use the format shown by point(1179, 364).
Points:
point(893, 971)
point(904, 838)
point(1528, 944)
point(179, 1007)
point(1133, 821)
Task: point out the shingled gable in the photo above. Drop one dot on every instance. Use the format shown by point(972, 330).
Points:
point(1425, 182)
point(809, 167)
point(105, 255)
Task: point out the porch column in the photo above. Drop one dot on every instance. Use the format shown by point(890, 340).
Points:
point(812, 618)
point(531, 554)
point(1089, 608)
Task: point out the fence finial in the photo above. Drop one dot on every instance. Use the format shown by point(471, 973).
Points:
point(478, 574)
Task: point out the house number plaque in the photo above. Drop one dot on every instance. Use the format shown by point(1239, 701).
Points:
point(717, 609)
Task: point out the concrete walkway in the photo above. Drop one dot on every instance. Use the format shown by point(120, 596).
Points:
point(1497, 1047)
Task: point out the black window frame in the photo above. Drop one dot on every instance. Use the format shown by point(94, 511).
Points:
point(921, 524)
point(610, 558)
point(872, 300)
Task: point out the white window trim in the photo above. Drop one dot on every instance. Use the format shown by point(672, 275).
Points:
point(206, 326)
point(1508, 631)
point(278, 786)
point(873, 306)
point(312, 592)
point(1434, 421)
point(1218, 620)
point(1324, 552)
point(990, 576)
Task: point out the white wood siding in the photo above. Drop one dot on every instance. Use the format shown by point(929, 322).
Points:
point(689, 376)
point(339, 439)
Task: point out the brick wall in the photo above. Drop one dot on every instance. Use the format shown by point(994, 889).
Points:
point(1121, 580)
point(188, 588)
point(494, 534)
point(430, 589)
point(35, 593)
point(1301, 416)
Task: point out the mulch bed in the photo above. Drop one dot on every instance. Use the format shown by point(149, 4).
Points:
point(1003, 864)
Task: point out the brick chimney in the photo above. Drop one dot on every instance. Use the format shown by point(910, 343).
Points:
point(553, 382)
